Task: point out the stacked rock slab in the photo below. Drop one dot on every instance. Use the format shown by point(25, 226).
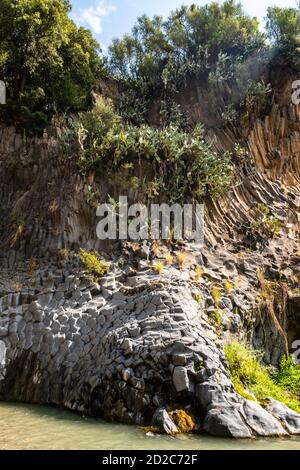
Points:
point(126, 350)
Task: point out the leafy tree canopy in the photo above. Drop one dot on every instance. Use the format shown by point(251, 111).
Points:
point(46, 61)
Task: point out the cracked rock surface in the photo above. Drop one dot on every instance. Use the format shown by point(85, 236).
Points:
point(125, 353)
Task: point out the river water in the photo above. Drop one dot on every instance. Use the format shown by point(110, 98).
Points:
point(33, 427)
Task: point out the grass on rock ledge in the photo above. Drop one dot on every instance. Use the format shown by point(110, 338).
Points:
point(250, 376)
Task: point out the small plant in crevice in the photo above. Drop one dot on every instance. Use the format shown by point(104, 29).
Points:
point(198, 366)
point(18, 229)
point(199, 298)
point(64, 254)
point(216, 316)
point(93, 264)
point(216, 295)
point(169, 258)
point(288, 375)
point(199, 273)
point(158, 267)
point(182, 257)
point(266, 224)
point(228, 286)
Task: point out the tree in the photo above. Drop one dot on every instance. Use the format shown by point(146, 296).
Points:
point(45, 60)
point(283, 28)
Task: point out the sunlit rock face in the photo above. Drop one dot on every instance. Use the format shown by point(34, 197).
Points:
point(123, 350)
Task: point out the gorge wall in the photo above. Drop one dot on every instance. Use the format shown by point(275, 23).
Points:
point(138, 344)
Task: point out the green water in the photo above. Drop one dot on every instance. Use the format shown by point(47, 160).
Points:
point(40, 427)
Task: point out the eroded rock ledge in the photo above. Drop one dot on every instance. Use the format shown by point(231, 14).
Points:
point(129, 349)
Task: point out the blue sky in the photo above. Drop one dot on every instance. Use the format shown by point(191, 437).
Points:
point(113, 18)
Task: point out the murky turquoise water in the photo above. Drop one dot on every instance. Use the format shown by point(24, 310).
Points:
point(40, 427)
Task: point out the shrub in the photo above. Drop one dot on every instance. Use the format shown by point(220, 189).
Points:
point(266, 224)
point(93, 264)
point(288, 376)
point(64, 253)
point(248, 373)
point(182, 257)
point(283, 28)
point(228, 286)
point(216, 295)
point(169, 258)
point(158, 267)
point(47, 62)
point(184, 165)
point(199, 272)
point(19, 229)
point(216, 316)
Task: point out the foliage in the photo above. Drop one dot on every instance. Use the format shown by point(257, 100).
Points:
point(47, 63)
point(199, 272)
point(266, 224)
point(93, 264)
point(228, 286)
point(216, 295)
point(199, 298)
point(158, 267)
point(283, 27)
point(198, 366)
point(64, 253)
point(216, 316)
point(50, 65)
point(249, 373)
point(169, 258)
point(18, 231)
point(182, 257)
point(288, 376)
point(183, 164)
point(256, 94)
point(189, 41)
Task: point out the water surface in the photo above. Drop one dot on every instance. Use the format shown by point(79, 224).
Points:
point(33, 427)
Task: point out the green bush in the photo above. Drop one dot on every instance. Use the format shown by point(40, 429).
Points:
point(93, 264)
point(185, 166)
point(249, 373)
point(283, 29)
point(288, 376)
point(266, 224)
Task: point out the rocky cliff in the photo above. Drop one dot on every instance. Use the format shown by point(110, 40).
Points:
point(137, 344)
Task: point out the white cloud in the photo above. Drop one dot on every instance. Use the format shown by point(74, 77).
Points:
point(92, 16)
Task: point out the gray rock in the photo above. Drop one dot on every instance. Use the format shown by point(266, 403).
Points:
point(3, 332)
point(180, 379)
point(179, 359)
point(226, 422)
point(2, 353)
point(127, 346)
point(162, 421)
point(260, 421)
point(289, 418)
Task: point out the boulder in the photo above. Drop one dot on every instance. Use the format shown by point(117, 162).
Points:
point(163, 423)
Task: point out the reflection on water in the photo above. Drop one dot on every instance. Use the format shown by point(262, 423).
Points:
point(40, 427)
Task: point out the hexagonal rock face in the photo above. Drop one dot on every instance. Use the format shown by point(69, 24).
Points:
point(126, 353)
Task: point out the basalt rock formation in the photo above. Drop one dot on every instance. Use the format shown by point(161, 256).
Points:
point(138, 343)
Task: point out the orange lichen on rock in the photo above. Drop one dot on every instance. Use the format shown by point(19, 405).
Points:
point(183, 421)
